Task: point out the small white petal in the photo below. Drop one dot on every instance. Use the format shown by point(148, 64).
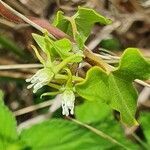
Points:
point(37, 87)
point(30, 86)
point(68, 99)
point(28, 80)
point(72, 111)
point(41, 78)
point(34, 80)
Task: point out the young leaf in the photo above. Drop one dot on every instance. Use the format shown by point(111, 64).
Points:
point(40, 40)
point(116, 88)
point(61, 135)
point(62, 23)
point(61, 47)
point(85, 19)
point(8, 132)
point(57, 48)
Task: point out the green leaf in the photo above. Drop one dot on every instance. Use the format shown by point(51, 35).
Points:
point(116, 88)
point(61, 47)
point(61, 135)
point(91, 111)
point(62, 23)
point(8, 132)
point(123, 98)
point(57, 48)
point(144, 121)
point(85, 19)
point(64, 44)
point(40, 40)
point(133, 65)
point(95, 86)
point(111, 127)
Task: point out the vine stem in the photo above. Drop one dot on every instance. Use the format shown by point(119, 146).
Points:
point(96, 60)
point(74, 27)
point(65, 77)
point(99, 133)
point(66, 61)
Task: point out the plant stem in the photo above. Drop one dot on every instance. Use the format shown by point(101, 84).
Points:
point(74, 27)
point(98, 132)
point(50, 94)
point(96, 60)
point(55, 86)
point(66, 61)
point(146, 146)
point(65, 77)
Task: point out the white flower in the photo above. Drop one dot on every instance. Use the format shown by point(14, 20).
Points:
point(41, 78)
point(68, 99)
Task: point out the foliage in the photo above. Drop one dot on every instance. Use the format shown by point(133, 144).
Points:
point(115, 88)
point(56, 134)
point(104, 88)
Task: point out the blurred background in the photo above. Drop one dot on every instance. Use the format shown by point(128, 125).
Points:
point(130, 28)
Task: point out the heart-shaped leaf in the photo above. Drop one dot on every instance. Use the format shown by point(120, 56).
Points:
point(116, 88)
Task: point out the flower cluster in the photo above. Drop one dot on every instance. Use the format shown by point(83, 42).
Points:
point(41, 78)
point(68, 99)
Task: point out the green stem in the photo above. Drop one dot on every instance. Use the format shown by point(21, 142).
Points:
point(95, 60)
point(146, 146)
point(55, 86)
point(69, 81)
point(73, 24)
point(50, 94)
point(65, 77)
point(65, 62)
point(100, 133)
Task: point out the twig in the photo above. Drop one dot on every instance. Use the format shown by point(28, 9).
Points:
point(33, 108)
point(98, 132)
point(142, 83)
point(143, 97)
point(15, 74)
point(20, 66)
